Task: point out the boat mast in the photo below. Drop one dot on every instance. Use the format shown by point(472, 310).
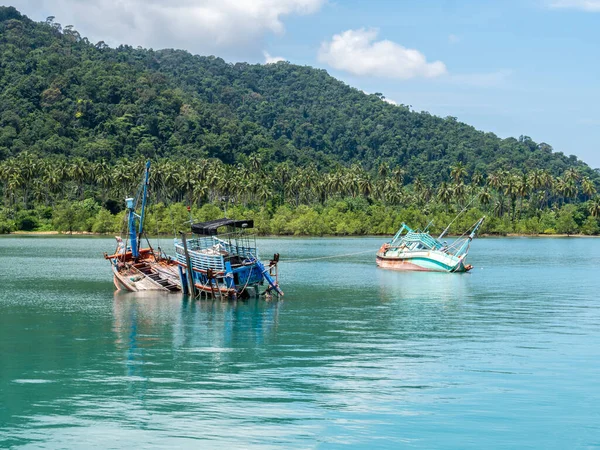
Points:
point(144, 197)
point(465, 247)
point(133, 233)
point(457, 216)
point(131, 226)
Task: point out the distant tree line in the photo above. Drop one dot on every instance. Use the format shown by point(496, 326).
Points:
point(79, 195)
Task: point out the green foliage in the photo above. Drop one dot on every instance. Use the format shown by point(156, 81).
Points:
point(65, 217)
point(590, 226)
point(78, 216)
point(6, 223)
point(565, 223)
point(26, 221)
point(105, 222)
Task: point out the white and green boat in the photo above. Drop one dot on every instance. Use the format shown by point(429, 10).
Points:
point(418, 250)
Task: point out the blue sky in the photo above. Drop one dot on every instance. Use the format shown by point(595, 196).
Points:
point(526, 67)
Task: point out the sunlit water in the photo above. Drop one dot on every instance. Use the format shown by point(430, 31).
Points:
point(507, 356)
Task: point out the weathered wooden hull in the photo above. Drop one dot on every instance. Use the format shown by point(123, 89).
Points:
point(422, 261)
point(147, 273)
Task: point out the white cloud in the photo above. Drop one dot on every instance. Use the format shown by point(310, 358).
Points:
point(201, 26)
point(585, 5)
point(356, 52)
point(272, 59)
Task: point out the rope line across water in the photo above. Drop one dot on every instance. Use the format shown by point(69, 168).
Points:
point(327, 257)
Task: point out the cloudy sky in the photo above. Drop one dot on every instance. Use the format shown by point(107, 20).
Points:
point(513, 67)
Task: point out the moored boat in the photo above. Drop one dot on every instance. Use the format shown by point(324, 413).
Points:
point(226, 264)
point(141, 269)
point(418, 250)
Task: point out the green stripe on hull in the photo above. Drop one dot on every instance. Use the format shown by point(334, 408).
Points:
point(430, 264)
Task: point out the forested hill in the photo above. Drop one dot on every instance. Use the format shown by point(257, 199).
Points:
point(63, 95)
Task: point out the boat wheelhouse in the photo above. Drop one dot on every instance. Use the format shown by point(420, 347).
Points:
point(226, 264)
point(418, 250)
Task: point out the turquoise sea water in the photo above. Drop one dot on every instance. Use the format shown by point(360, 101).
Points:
point(507, 356)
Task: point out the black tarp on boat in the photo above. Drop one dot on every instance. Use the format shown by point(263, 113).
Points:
point(210, 228)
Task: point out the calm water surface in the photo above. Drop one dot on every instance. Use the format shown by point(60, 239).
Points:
point(507, 356)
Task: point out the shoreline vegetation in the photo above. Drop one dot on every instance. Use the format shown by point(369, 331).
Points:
point(79, 196)
point(303, 204)
point(55, 194)
point(273, 236)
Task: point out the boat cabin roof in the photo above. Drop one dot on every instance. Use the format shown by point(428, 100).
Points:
point(210, 228)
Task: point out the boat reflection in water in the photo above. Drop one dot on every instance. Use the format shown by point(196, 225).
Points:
point(422, 286)
point(150, 322)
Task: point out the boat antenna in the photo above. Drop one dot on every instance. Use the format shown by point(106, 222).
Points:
point(454, 220)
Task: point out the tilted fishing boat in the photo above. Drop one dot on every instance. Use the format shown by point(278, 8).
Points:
point(141, 269)
point(225, 265)
point(418, 250)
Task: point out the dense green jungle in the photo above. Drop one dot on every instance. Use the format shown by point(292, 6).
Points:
point(290, 146)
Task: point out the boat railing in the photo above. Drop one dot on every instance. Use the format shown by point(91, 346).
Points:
point(211, 252)
point(234, 248)
point(457, 248)
point(201, 257)
point(423, 238)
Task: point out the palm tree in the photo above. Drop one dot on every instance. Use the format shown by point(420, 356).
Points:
point(500, 206)
point(199, 192)
point(571, 190)
point(511, 188)
point(588, 187)
point(283, 172)
point(458, 172)
point(264, 193)
point(383, 170)
point(52, 180)
point(445, 194)
point(398, 174)
point(522, 191)
point(485, 197)
point(14, 184)
point(255, 162)
point(365, 187)
point(78, 172)
point(535, 179)
point(594, 207)
point(571, 175)
point(496, 180)
point(460, 192)
point(477, 178)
